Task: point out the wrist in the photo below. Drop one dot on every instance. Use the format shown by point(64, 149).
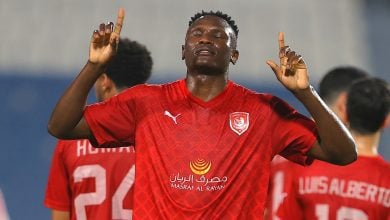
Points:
point(94, 69)
point(96, 65)
point(305, 93)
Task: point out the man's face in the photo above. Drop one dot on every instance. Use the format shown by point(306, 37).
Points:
point(209, 46)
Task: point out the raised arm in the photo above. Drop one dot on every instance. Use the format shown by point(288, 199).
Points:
point(336, 144)
point(66, 121)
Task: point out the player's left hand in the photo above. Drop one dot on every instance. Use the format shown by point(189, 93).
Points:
point(292, 71)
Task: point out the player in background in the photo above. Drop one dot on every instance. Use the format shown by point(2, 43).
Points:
point(333, 89)
point(97, 183)
point(360, 190)
point(334, 86)
point(204, 143)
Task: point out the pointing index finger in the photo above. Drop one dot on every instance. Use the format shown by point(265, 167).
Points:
point(281, 40)
point(119, 21)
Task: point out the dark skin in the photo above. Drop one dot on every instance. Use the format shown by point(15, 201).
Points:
point(207, 53)
point(208, 50)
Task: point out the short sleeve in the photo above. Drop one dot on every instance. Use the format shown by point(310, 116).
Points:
point(112, 122)
point(57, 190)
point(293, 133)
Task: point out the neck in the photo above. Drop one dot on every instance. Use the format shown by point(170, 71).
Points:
point(110, 93)
point(367, 145)
point(206, 87)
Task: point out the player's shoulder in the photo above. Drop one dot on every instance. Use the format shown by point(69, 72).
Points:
point(281, 164)
point(66, 143)
point(64, 146)
point(151, 88)
point(252, 94)
point(378, 161)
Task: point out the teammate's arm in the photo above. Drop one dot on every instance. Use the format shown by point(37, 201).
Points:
point(335, 144)
point(66, 121)
point(59, 215)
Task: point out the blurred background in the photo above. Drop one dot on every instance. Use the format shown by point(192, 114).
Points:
point(44, 44)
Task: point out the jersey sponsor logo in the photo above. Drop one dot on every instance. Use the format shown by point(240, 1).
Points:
point(200, 166)
point(174, 118)
point(200, 180)
point(239, 122)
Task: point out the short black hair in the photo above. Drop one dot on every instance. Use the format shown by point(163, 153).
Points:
point(132, 64)
point(220, 14)
point(368, 105)
point(339, 80)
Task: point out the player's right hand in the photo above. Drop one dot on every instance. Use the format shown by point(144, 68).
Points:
point(104, 42)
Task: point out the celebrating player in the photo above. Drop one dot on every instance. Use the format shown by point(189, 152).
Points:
point(204, 143)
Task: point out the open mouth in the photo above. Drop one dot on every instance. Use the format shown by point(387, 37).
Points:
point(204, 51)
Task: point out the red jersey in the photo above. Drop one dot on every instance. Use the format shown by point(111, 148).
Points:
point(196, 159)
point(323, 191)
point(91, 183)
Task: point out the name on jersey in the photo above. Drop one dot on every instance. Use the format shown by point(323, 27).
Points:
point(84, 148)
point(345, 188)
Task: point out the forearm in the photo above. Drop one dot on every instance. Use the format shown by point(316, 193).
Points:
point(69, 109)
point(336, 142)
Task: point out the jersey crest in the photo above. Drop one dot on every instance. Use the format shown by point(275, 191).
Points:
point(239, 122)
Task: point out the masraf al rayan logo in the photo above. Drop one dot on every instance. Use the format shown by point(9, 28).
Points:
point(198, 180)
point(200, 166)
